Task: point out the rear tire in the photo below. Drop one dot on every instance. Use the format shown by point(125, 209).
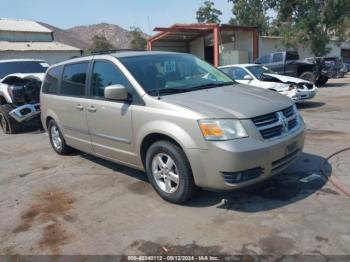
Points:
point(57, 140)
point(8, 125)
point(309, 76)
point(169, 172)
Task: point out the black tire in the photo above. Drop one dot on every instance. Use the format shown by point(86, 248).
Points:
point(186, 187)
point(309, 76)
point(64, 149)
point(322, 80)
point(8, 124)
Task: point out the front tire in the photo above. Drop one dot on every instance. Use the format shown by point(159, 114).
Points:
point(57, 140)
point(169, 172)
point(8, 125)
point(309, 76)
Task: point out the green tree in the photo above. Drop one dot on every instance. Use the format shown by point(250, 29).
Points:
point(313, 23)
point(100, 43)
point(250, 13)
point(138, 42)
point(207, 13)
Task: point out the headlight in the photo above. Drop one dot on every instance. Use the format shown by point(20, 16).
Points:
point(292, 87)
point(222, 129)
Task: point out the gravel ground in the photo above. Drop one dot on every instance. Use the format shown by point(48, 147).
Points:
point(79, 204)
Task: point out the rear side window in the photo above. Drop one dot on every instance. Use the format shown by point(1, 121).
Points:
point(74, 79)
point(278, 57)
point(292, 56)
point(105, 74)
point(50, 85)
point(264, 59)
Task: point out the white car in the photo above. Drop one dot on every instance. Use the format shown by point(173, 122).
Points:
point(260, 76)
point(20, 82)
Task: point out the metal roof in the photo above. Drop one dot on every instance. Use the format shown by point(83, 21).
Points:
point(35, 46)
point(188, 32)
point(16, 25)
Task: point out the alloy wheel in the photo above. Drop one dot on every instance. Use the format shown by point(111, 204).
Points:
point(165, 173)
point(56, 138)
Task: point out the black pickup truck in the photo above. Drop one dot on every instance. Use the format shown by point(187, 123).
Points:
point(288, 63)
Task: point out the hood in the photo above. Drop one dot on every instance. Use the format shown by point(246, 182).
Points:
point(236, 101)
point(37, 76)
point(286, 79)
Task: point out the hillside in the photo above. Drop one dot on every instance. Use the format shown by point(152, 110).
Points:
point(81, 36)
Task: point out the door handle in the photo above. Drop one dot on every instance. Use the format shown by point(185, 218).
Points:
point(79, 107)
point(92, 109)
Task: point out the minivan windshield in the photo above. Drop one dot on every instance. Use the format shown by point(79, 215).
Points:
point(165, 74)
point(7, 68)
point(259, 71)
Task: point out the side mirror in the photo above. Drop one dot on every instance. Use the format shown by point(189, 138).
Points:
point(247, 77)
point(116, 92)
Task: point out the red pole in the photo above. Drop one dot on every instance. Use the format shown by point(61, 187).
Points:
point(216, 45)
point(149, 45)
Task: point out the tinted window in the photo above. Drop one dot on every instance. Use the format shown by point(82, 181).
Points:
point(278, 57)
point(105, 74)
point(264, 59)
point(292, 56)
point(51, 80)
point(258, 71)
point(238, 73)
point(8, 68)
point(74, 77)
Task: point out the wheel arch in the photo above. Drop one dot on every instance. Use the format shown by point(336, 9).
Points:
point(150, 139)
point(3, 100)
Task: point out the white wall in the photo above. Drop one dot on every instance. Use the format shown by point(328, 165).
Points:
point(244, 42)
point(238, 51)
point(50, 57)
point(197, 47)
point(269, 45)
point(25, 37)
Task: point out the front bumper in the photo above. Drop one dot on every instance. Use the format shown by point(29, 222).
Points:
point(25, 112)
point(251, 160)
point(304, 95)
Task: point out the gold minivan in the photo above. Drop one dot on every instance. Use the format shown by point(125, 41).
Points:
point(184, 122)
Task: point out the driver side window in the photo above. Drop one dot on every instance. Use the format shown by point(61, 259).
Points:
point(105, 74)
point(238, 73)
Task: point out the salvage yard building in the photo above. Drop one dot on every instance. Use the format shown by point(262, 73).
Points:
point(25, 39)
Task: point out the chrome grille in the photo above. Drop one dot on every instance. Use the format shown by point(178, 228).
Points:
point(276, 124)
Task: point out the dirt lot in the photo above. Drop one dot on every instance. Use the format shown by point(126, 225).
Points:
point(83, 205)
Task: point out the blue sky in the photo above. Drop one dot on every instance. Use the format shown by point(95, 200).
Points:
point(126, 13)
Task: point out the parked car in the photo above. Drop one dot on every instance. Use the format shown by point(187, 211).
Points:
point(260, 76)
point(184, 122)
point(337, 66)
point(331, 67)
point(20, 82)
point(347, 65)
point(288, 63)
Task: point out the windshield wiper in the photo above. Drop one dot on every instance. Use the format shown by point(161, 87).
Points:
point(167, 90)
point(211, 85)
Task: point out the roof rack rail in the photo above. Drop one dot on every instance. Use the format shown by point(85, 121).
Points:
point(104, 52)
